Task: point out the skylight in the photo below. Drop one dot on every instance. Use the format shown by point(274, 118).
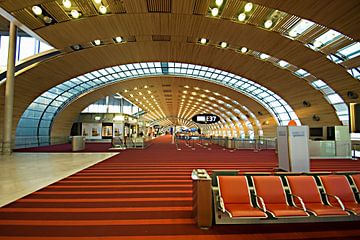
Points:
point(319, 84)
point(334, 98)
point(300, 28)
point(301, 73)
point(283, 63)
point(327, 38)
point(355, 72)
point(350, 51)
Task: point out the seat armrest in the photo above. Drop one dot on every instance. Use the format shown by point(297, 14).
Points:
point(300, 200)
point(221, 204)
point(262, 207)
point(338, 200)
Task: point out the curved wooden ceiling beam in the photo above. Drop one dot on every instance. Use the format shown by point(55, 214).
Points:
point(182, 27)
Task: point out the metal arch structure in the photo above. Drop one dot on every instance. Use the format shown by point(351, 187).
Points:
point(58, 97)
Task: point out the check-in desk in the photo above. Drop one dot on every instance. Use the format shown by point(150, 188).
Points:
point(328, 149)
point(202, 198)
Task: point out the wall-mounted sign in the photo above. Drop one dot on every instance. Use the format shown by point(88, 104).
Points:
point(206, 118)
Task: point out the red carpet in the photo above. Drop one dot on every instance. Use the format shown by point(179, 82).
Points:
point(147, 194)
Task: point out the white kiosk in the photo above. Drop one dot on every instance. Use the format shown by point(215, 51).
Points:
point(293, 148)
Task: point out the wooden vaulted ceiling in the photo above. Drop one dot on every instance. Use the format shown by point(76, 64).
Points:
point(168, 30)
point(168, 93)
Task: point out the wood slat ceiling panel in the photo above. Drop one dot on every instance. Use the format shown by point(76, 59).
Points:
point(183, 6)
point(232, 9)
point(86, 7)
point(259, 15)
point(14, 5)
point(313, 33)
point(159, 6)
point(161, 37)
point(135, 6)
point(281, 25)
point(355, 62)
point(26, 17)
point(56, 11)
point(339, 15)
point(201, 7)
point(287, 24)
point(116, 6)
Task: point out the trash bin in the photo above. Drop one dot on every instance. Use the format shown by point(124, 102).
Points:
point(78, 143)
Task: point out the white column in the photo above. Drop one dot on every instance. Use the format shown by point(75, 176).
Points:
point(9, 91)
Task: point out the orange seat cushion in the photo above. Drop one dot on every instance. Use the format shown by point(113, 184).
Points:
point(281, 210)
point(323, 210)
point(270, 189)
point(339, 186)
point(304, 187)
point(244, 210)
point(234, 189)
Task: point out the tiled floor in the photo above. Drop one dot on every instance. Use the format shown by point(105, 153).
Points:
point(24, 173)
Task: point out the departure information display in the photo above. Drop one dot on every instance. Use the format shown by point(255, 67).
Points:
point(205, 118)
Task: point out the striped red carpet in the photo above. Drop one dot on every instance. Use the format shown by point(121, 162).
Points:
point(147, 194)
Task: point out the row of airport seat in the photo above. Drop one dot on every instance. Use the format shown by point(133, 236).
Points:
point(288, 196)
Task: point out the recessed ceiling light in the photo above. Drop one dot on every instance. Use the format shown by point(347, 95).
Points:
point(223, 44)
point(47, 19)
point(242, 17)
point(203, 40)
point(219, 2)
point(214, 12)
point(248, 7)
point(66, 3)
point(97, 42)
point(118, 39)
point(268, 23)
point(36, 10)
point(186, 86)
point(243, 50)
point(102, 9)
point(264, 56)
point(75, 14)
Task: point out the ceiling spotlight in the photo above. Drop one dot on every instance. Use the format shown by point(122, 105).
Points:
point(248, 7)
point(97, 1)
point(219, 2)
point(102, 9)
point(76, 47)
point(242, 17)
point(268, 23)
point(243, 50)
point(203, 40)
point(75, 14)
point(214, 12)
point(36, 10)
point(223, 44)
point(66, 3)
point(264, 56)
point(97, 42)
point(118, 39)
point(47, 19)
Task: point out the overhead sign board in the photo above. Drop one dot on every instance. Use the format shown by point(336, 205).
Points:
point(205, 118)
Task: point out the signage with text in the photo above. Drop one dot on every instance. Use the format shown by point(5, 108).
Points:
point(205, 118)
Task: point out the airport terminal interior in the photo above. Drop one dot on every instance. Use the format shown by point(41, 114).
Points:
point(179, 119)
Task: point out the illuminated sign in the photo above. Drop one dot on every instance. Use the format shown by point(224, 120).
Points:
point(205, 118)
